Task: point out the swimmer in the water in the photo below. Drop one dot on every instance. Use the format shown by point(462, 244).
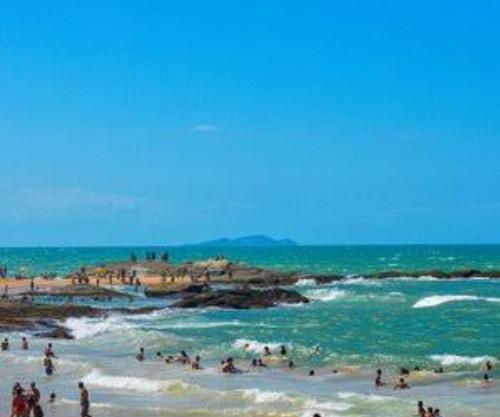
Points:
point(291, 364)
point(258, 363)
point(404, 371)
point(488, 366)
point(487, 382)
point(420, 409)
point(159, 355)
point(183, 358)
point(378, 379)
point(229, 368)
point(267, 351)
point(437, 412)
point(312, 372)
point(196, 363)
point(48, 365)
point(439, 370)
point(5, 344)
point(49, 351)
point(24, 344)
point(430, 412)
point(401, 384)
point(140, 356)
point(52, 397)
point(283, 351)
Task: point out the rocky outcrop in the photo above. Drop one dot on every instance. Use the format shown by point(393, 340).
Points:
point(82, 291)
point(166, 290)
point(23, 315)
point(241, 298)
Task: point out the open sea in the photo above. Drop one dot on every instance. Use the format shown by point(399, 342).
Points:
point(353, 326)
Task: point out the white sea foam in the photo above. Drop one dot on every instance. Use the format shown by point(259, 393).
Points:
point(416, 279)
point(305, 282)
point(360, 281)
point(204, 325)
point(326, 294)
point(259, 396)
point(328, 405)
point(365, 397)
point(97, 379)
point(447, 360)
point(258, 347)
point(435, 300)
point(88, 327)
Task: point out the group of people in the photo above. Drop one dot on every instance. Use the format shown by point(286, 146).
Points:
point(151, 257)
point(49, 354)
point(26, 402)
point(227, 365)
point(422, 411)
point(402, 384)
point(5, 345)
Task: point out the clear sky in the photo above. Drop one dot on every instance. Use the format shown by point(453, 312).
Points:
point(160, 122)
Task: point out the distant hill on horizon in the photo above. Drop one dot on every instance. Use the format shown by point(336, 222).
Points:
point(253, 240)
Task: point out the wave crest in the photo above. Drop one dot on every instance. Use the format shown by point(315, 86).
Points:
point(435, 300)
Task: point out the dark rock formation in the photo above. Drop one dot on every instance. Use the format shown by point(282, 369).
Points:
point(58, 332)
point(23, 315)
point(166, 290)
point(241, 298)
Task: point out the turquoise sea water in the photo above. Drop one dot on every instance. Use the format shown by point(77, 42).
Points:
point(321, 259)
point(359, 325)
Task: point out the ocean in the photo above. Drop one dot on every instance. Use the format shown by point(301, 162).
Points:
point(353, 326)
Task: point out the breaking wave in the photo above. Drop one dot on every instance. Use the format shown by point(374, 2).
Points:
point(89, 327)
point(435, 300)
point(258, 347)
point(97, 379)
point(448, 360)
point(325, 294)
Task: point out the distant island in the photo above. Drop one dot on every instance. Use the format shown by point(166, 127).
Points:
point(254, 240)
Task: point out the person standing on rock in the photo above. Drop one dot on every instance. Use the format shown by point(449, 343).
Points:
point(84, 400)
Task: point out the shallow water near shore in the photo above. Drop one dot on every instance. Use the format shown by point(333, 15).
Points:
point(359, 325)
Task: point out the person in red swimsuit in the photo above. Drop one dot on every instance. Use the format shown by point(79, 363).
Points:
point(19, 404)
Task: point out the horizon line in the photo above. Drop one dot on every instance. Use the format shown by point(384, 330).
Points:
point(180, 245)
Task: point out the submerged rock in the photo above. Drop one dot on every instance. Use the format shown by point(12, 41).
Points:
point(57, 333)
point(241, 298)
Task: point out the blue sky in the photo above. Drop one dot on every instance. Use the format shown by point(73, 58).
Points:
point(151, 122)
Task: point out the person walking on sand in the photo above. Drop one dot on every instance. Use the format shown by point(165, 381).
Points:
point(84, 400)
